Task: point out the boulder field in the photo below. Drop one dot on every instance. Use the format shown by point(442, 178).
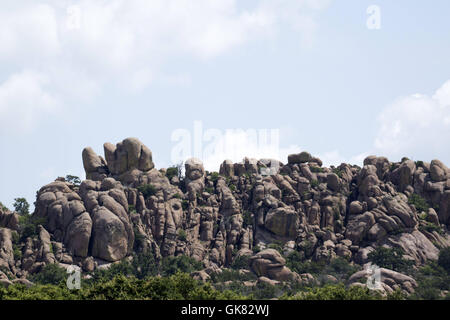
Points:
point(127, 205)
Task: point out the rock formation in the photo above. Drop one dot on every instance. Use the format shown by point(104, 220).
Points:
point(324, 213)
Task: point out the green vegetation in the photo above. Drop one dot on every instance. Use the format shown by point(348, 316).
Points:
point(172, 172)
point(340, 268)
point(390, 258)
point(182, 235)
point(73, 179)
point(432, 279)
point(21, 206)
point(3, 207)
point(147, 190)
point(180, 286)
point(210, 190)
point(420, 164)
point(316, 169)
point(431, 227)
point(28, 226)
point(185, 204)
point(50, 274)
point(241, 262)
point(214, 176)
point(420, 203)
point(314, 183)
point(248, 219)
point(444, 259)
point(338, 292)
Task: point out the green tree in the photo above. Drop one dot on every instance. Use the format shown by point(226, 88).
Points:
point(50, 274)
point(390, 258)
point(21, 206)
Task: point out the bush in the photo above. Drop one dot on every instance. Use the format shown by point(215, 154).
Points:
point(314, 183)
point(296, 262)
point(182, 235)
point(247, 219)
point(50, 274)
point(73, 179)
point(240, 262)
point(214, 176)
point(147, 190)
point(171, 172)
point(172, 265)
point(444, 259)
point(390, 258)
point(28, 226)
point(420, 203)
point(3, 207)
point(432, 279)
point(338, 292)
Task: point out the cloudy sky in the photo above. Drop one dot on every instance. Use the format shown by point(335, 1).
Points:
point(179, 73)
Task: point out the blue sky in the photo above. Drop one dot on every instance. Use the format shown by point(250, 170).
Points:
point(80, 73)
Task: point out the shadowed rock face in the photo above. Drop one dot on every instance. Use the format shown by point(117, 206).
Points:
point(321, 212)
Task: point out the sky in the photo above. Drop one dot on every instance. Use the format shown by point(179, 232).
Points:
point(212, 78)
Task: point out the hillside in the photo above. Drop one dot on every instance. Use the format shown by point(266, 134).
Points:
point(274, 224)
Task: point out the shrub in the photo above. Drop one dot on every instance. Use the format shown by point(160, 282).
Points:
point(314, 183)
point(316, 169)
point(390, 258)
point(171, 172)
point(209, 190)
point(431, 227)
point(172, 265)
point(3, 207)
point(73, 179)
point(247, 219)
point(50, 274)
point(28, 226)
point(338, 292)
point(214, 176)
point(182, 235)
point(240, 262)
point(147, 190)
point(444, 259)
point(418, 202)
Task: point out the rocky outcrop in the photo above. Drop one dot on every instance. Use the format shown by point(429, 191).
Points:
point(269, 263)
point(389, 281)
point(127, 205)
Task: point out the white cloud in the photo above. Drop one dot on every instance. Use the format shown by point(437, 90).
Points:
point(416, 126)
point(76, 48)
point(24, 100)
point(121, 37)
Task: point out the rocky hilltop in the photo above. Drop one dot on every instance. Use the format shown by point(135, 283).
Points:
point(126, 205)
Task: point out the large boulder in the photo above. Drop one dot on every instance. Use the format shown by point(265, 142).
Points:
point(283, 222)
point(269, 263)
point(128, 155)
point(94, 165)
point(109, 237)
point(298, 158)
point(389, 281)
point(438, 171)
